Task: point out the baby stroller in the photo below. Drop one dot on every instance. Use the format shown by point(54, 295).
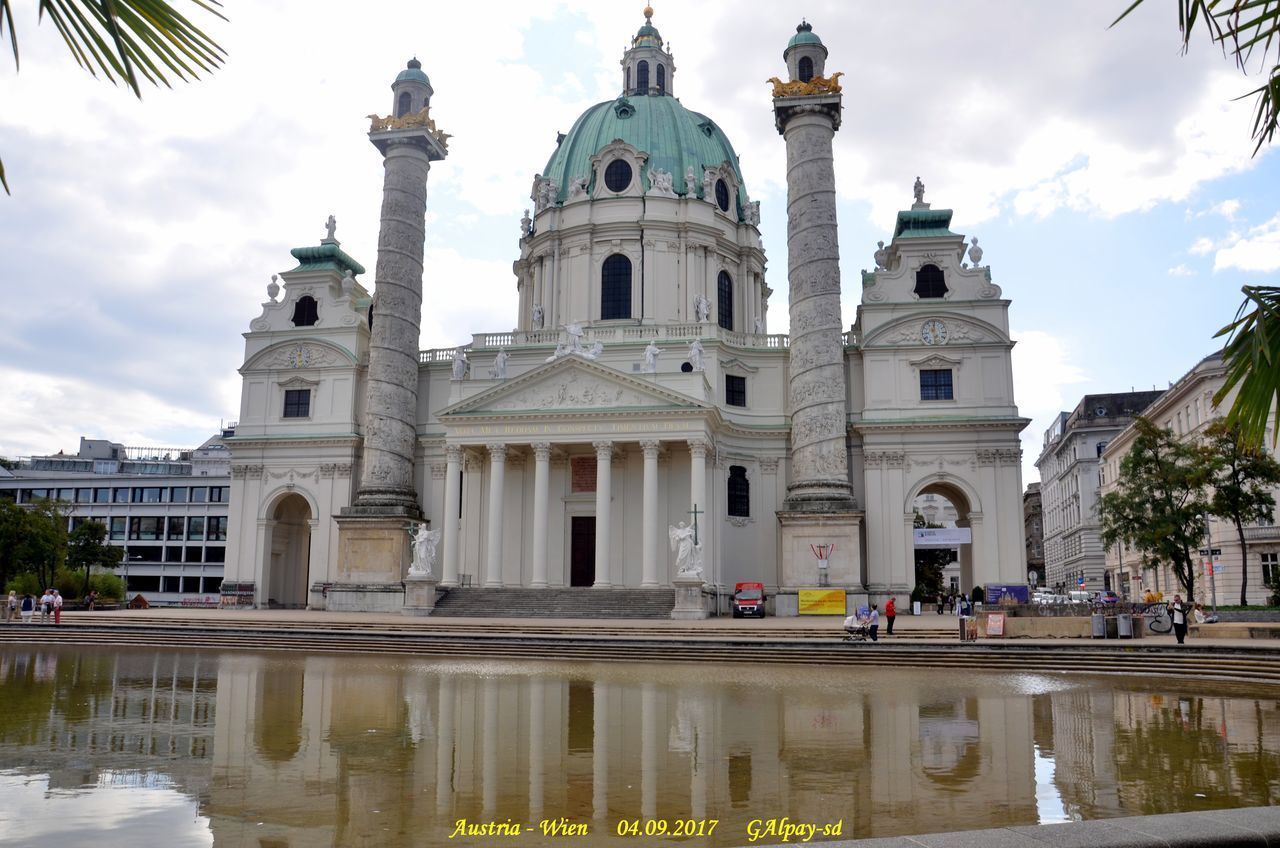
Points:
point(857, 627)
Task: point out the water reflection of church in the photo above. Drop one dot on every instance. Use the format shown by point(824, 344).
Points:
point(290, 751)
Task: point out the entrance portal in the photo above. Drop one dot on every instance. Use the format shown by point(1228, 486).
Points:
point(582, 550)
point(290, 553)
point(942, 505)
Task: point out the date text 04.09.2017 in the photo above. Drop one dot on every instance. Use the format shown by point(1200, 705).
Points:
point(663, 827)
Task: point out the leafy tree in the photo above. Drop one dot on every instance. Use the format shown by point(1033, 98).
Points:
point(87, 547)
point(930, 562)
point(44, 544)
point(1243, 476)
point(125, 40)
point(1159, 502)
point(1246, 30)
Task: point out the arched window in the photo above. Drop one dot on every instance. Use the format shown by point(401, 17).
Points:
point(662, 79)
point(626, 83)
point(930, 283)
point(615, 288)
point(402, 104)
point(806, 69)
point(305, 313)
point(724, 300)
point(739, 492)
point(722, 195)
point(642, 77)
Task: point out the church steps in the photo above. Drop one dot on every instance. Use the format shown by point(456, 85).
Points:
point(1258, 669)
point(556, 603)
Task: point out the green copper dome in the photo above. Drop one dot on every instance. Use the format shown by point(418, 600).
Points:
point(804, 35)
point(674, 137)
point(413, 72)
point(647, 35)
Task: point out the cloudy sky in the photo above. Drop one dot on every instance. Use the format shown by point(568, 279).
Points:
point(1109, 179)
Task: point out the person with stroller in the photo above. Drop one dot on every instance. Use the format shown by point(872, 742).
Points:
point(857, 626)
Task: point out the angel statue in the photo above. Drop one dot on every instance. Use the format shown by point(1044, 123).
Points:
point(688, 555)
point(424, 549)
point(701, 308)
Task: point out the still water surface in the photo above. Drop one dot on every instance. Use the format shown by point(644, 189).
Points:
point(123, 747)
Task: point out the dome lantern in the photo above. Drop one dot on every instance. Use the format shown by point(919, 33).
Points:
point(411, 90)
point(647, 67)
point(806, 57)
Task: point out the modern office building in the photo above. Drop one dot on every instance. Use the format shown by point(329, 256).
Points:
point(166, 507)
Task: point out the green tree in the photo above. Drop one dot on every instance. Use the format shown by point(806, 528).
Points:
point(1249, 32)
point(126, 40)
point(1159, 502)
point(1243, 477)
point(87, 547)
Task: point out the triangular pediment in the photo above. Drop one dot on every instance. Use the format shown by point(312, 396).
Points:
point(572, 384)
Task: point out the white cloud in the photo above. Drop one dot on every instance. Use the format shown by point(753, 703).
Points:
point(1202, 247)
point(1181, 271)
point(1042, 371)
point(1257, 251)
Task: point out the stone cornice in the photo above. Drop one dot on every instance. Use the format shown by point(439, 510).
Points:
point(293, 441)
point(916, 425)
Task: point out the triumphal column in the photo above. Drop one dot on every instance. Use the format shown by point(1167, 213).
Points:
point(819, 509)
point(373, 545)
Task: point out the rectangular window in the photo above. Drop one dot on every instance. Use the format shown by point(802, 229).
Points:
point(172, 583)
point(117, 526)
point(935, 384)
point(178, 494)
point(215, 554)
point(1270, 567)
point(175, 526)
point(84, 495)
point(217, 528)
point(102, 496)
point(173, 553)
point(218, 494)
point(735, 390)
point(66, 495)
point(193, 553)
point(144, 582)
point(195, 528)
point(211, 585)
point(120, 495)
point(199, 494)
point(146, 527)
point(297, 403)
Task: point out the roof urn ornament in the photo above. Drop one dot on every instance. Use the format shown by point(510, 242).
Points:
point(526, 224)
point(975, 252)
point(881, 255)
point(273, 288)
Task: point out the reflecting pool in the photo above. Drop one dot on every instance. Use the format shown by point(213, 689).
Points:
point(125, 747)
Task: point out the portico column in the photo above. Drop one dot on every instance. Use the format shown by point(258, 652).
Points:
point(450, 520)
point(497, 487)
point(649, 524)
point(604, 496)
point(698, 483)
point(541, 484)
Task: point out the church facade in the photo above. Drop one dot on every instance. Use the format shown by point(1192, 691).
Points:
point(640, 388)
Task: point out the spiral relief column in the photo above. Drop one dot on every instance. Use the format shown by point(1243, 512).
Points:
point(819, 507)
point(372, 537)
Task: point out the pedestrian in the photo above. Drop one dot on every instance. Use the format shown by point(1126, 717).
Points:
point(942, 602)
point(91, 600)
point(875, 624)
point(11, 607)
point(28, 607)
point(1178, 611)
point(951, 603)
point(57, 607)
point(46, 606)
point(890, 613)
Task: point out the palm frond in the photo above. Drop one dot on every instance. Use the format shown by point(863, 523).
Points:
point(1252, 358)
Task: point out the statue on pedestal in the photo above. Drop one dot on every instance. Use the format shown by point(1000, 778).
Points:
point(696, 357)
point(499, 369)
point(424, 549)
point(651, 357)
point(330, 227)
point(701, 308)
point(537, 316)
point(460, 364)
point(688, 555)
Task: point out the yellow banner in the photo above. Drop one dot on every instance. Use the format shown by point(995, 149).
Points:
point(822, 602)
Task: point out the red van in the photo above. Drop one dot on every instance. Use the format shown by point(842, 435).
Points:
point(748, 600)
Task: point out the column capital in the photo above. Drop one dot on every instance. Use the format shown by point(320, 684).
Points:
point(699, 447)
point(651, 447)
point(497, 451)
point(604, 450)
point(541, 451)
point(453, 453)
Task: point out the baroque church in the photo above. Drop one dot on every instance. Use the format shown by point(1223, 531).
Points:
point(639, 392)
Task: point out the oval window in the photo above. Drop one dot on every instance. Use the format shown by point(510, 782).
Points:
point(617, 176)
point(722, 195)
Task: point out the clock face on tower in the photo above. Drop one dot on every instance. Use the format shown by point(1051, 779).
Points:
point(933, 332)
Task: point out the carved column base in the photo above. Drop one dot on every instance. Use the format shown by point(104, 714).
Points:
point(391, 502)
point(419, 596)
point(373, 555)
point(690, 605)
point(802, 529)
